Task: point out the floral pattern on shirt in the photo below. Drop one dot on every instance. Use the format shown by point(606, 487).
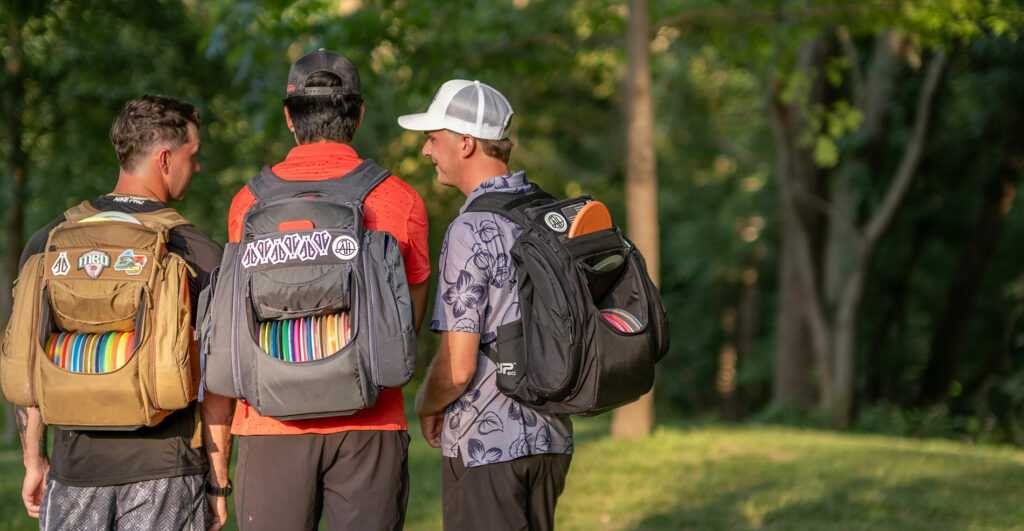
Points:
point(477, 293)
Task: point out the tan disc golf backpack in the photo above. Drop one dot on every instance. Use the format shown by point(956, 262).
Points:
point(99, 336)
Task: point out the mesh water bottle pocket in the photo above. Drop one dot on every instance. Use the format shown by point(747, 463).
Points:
point(625, 306)
point(305, 338)
point(602, 271)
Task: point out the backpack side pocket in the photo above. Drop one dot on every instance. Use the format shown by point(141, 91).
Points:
point(172, 353)
point(18, 351)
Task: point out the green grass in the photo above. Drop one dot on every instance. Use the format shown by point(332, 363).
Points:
point(736, 477)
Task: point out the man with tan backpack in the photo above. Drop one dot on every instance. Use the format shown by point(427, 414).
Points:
point(100, 346)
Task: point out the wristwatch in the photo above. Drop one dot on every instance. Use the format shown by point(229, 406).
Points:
point(218, 491)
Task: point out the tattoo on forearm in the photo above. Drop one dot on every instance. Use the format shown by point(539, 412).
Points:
point(21, 419)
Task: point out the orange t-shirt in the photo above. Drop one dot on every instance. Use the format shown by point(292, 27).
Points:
point(392, 206)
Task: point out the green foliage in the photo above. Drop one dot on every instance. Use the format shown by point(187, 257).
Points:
point(562, 64)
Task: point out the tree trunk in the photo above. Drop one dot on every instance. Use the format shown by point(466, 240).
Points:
point(845, 346)
point(951, 329)
point(802, 332)
point(637, 419)
point(825, 289)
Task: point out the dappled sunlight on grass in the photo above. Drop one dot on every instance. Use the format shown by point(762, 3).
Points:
point(734, 477)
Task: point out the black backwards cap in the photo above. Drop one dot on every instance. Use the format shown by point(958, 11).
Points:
point(322, 61)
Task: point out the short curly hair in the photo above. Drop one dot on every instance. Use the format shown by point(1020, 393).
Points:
point(149, 122)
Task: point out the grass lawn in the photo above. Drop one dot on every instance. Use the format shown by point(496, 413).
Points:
point(736, 477)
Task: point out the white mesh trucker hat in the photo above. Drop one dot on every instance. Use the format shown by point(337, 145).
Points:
point(467, 107)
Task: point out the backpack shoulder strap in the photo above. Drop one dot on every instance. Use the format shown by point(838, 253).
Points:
point(510, 205)
point(80, 211)
point(359, 183)
point(165, 218)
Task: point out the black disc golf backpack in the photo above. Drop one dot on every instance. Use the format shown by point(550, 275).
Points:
point(304, 263)
point(592, 322)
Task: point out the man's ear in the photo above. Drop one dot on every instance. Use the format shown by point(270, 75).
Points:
point(469, 146)
point(163, 158)
point(362, 111)
point(288, 119)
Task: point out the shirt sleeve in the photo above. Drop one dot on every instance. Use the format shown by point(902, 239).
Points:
point(417, 260)
point(239, 206)
point(462, 292)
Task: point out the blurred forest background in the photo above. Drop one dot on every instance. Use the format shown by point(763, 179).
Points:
point(836, 212)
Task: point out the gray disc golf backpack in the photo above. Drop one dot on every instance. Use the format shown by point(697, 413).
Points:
point(565, 354)
point(304, 253)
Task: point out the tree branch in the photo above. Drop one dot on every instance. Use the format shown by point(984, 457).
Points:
point(725, 16)
point(856, 76)
point(911, 157)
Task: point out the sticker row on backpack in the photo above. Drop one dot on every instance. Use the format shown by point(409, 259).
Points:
point(306, 338)
point(622, 320)
point(90, 353)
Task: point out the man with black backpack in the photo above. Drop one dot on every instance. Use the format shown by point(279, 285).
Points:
point(109, 469)
point(296, 230)
point(504, 463)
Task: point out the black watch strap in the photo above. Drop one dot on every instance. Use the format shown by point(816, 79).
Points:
point(219, 491)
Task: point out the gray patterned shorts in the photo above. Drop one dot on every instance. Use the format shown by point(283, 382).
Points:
point(177, 503)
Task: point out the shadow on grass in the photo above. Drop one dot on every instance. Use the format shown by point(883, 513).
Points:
point(821, 492)
point(723, 513)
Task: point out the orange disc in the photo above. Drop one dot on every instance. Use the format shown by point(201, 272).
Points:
point(594, 216)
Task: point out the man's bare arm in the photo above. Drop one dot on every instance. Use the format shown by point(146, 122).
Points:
point(34, 455)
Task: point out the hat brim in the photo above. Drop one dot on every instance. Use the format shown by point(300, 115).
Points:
point(421, 122)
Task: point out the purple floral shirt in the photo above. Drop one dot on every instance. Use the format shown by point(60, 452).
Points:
point(476, 292)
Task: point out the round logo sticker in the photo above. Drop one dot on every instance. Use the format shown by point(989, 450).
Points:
point(345, 247)
point(556, 221)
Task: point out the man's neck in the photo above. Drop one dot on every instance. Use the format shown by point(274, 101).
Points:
point(485, 172)
point(132, 185)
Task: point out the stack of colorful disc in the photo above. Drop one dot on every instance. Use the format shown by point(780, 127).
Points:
point(90, 353)
point(622, 320)
point(305, 338)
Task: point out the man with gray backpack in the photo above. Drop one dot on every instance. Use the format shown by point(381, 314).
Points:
point(544, 310)
point(312, 318)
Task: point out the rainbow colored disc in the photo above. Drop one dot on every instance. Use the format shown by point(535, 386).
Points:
point(615, 321)
point(128, 348)
point(113, 345)
point(261, 327)
point(299, 344)
point(276, 340)
point(96, 353)
point(293, 340)
point(318, 347)
point(286, 348)
point(634, 323)
point(63, 347)
point(90, 353)
point(107, 353)
point(307, 338)
point(116, 341)
point(79, 353)
point(51, 350)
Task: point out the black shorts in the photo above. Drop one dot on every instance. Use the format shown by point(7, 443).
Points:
point(518, 494)
point(360, 478)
